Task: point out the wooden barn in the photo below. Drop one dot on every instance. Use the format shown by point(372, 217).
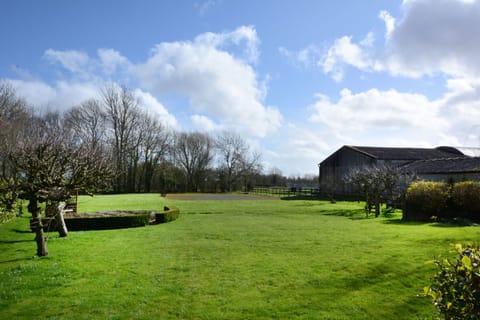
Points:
point(333, 169)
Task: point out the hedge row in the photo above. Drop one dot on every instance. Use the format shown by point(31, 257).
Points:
point(425, 200)
point(169, 214)
point(115, 220)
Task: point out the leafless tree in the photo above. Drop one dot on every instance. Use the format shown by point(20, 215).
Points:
point(87, 122)
point(50, 167)
point(122, 114)
point(234, 159)
point(155, 145)
point(193, 154)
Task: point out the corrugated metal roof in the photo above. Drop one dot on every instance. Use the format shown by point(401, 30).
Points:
point(446, 165)
point(412, 154)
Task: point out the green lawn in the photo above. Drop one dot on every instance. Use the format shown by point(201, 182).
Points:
point(266, 259)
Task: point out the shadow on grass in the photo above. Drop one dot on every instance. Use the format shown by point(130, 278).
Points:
point(445, 224)
point(15, 260)
point(15, 241)
point(357, 214)
point(21, 231)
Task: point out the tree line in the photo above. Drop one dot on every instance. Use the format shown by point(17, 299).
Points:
point(141, 152)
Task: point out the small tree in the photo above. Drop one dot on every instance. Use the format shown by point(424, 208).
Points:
point(455, 289)
point(50, 166)
point(377, 184)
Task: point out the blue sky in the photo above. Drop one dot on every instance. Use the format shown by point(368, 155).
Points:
point(298, 79)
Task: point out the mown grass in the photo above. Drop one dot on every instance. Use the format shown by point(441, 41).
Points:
point(227, 260)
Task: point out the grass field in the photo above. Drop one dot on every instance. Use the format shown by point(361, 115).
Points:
point(264, 259)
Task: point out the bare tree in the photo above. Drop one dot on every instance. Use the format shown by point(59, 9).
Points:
point(87, 122)
point(234, 159)
point(156, 143)
point(51, 166)
point(193, 154)
point(122, 113)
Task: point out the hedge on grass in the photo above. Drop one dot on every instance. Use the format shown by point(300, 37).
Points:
point(425, 199)
point(455, 289)
point(108, 222)
point(466, 200)
point(170, 213)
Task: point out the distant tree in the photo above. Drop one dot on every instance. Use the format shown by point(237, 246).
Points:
point(193, 153)
point(234, 159)
point(87, 122)
point(122, 115)
point(156, 143)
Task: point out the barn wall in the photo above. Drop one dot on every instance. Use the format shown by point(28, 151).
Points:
point(335, 167)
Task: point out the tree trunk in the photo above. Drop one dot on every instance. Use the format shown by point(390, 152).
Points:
point(38, 227)
point(61, 226)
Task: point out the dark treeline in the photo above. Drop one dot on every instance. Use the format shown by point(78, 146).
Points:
point(144, 154)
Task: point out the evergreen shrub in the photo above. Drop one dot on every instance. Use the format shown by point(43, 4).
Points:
point(426, 199)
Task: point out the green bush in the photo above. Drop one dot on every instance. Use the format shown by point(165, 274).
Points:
point(466, 200)
point(425, 199)
point(10, 205)
point(455, 289)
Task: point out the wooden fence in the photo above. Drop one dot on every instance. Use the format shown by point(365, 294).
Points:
point(287, 192)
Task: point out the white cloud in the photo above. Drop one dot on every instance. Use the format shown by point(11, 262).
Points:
point(150, 104)
point(111, 60)
point(435, 36)
point(344, 51)
point(389, 23)
point(243, 34)
point(72, 60)
point(217, 84)
point(204, 124)
point(63, 95)
point(381, 117)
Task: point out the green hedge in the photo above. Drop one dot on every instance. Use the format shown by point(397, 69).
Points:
point(466, 200)
point(427, 200)
point(107, 222)
point(169, 214)
point(115, 219)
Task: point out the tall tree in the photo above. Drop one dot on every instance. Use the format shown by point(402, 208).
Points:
point(193, 154)
point(155, 145)
point(88, 122)
point(122, 113)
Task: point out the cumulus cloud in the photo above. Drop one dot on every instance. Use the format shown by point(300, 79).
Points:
point(150, 104)
point(60, 96)
point(204, 124)
point(345, 52)
point(217, 83)
point(112, 60)
point(242, 35)
point(391, 114)
point(72, 60)
point(436, 36)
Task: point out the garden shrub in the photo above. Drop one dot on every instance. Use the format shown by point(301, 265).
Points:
point(10, 205)
point(425, 199)
point(466, 200)
point(455, 289)
point(107, 222)
point(169, 214)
